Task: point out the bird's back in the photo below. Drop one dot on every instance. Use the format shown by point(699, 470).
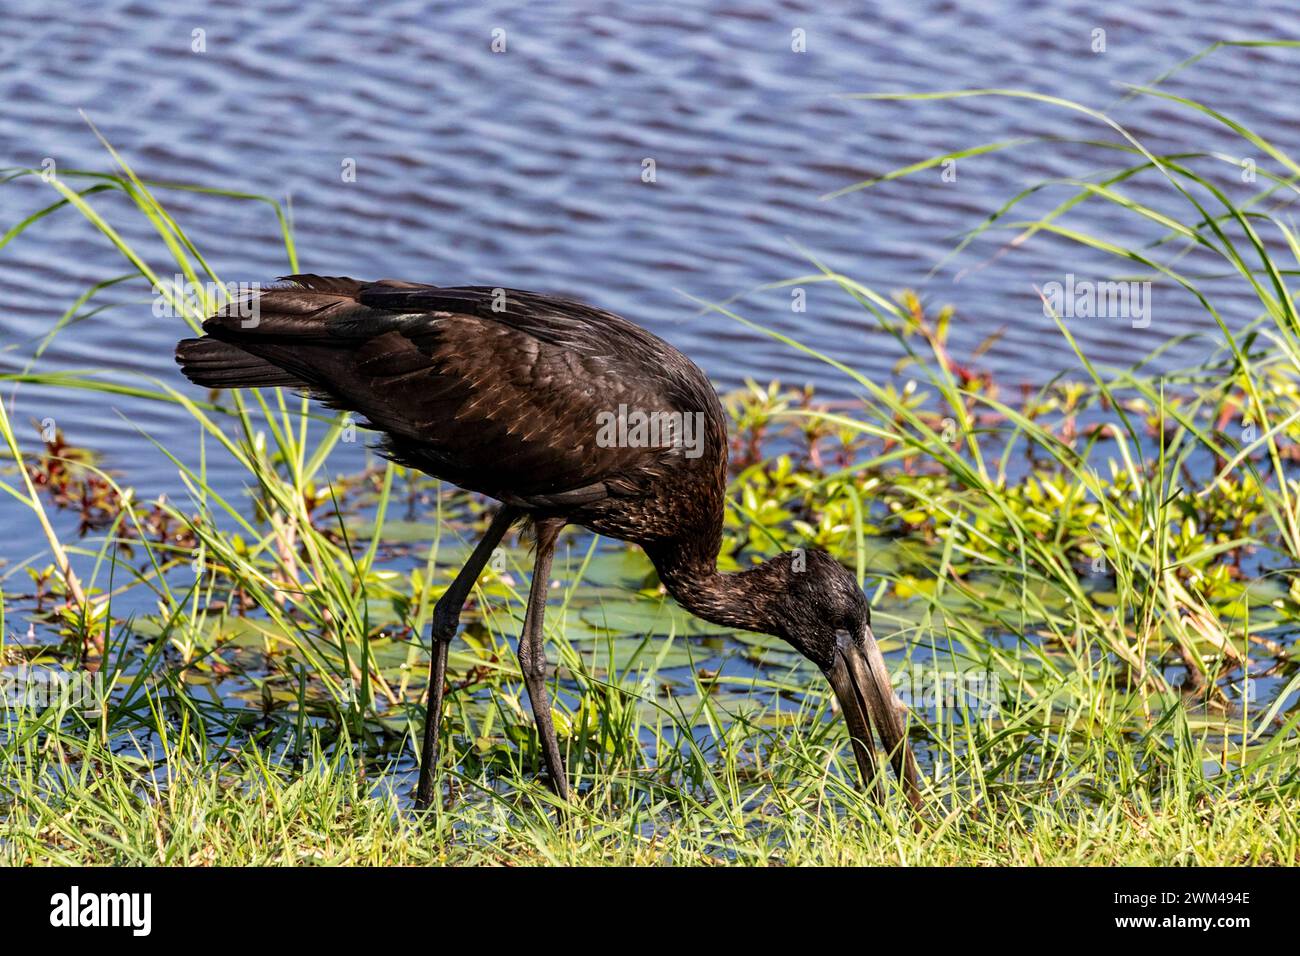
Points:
point(540, 401)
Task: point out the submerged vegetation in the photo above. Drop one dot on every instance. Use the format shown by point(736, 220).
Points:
point(1088, 591)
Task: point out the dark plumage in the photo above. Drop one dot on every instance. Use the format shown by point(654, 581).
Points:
point(506, 393)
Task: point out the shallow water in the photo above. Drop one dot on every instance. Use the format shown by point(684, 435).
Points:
point(524, 169)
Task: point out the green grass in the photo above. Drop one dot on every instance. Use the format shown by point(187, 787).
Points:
point(266, 651)
point(325, 813)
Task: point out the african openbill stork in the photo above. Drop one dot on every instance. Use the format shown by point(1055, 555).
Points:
point(501, 392)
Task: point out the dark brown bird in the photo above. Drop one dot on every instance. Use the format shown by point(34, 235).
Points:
point(565, 414)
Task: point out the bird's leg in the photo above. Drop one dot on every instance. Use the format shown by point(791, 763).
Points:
point(532, 655)
point(446, 617)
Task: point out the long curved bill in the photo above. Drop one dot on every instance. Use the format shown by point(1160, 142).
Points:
point(861, 683)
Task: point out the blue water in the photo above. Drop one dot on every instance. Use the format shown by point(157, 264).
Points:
point(524, 168)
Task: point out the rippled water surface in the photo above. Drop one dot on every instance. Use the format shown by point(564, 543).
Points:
point(524, 168)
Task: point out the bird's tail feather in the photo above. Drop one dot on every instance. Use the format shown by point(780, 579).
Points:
point(284, 334)
point(213, 363)
point(302, 309)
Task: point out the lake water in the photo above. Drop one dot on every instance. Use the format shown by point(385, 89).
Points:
point(525, 168)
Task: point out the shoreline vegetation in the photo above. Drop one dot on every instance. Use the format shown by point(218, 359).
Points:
point(1087, 592)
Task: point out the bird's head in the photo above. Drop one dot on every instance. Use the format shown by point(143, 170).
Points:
point(822, 612)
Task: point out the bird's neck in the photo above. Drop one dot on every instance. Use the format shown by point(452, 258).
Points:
point(742, 599)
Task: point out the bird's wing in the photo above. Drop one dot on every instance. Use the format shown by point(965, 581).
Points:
point(500, 391)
